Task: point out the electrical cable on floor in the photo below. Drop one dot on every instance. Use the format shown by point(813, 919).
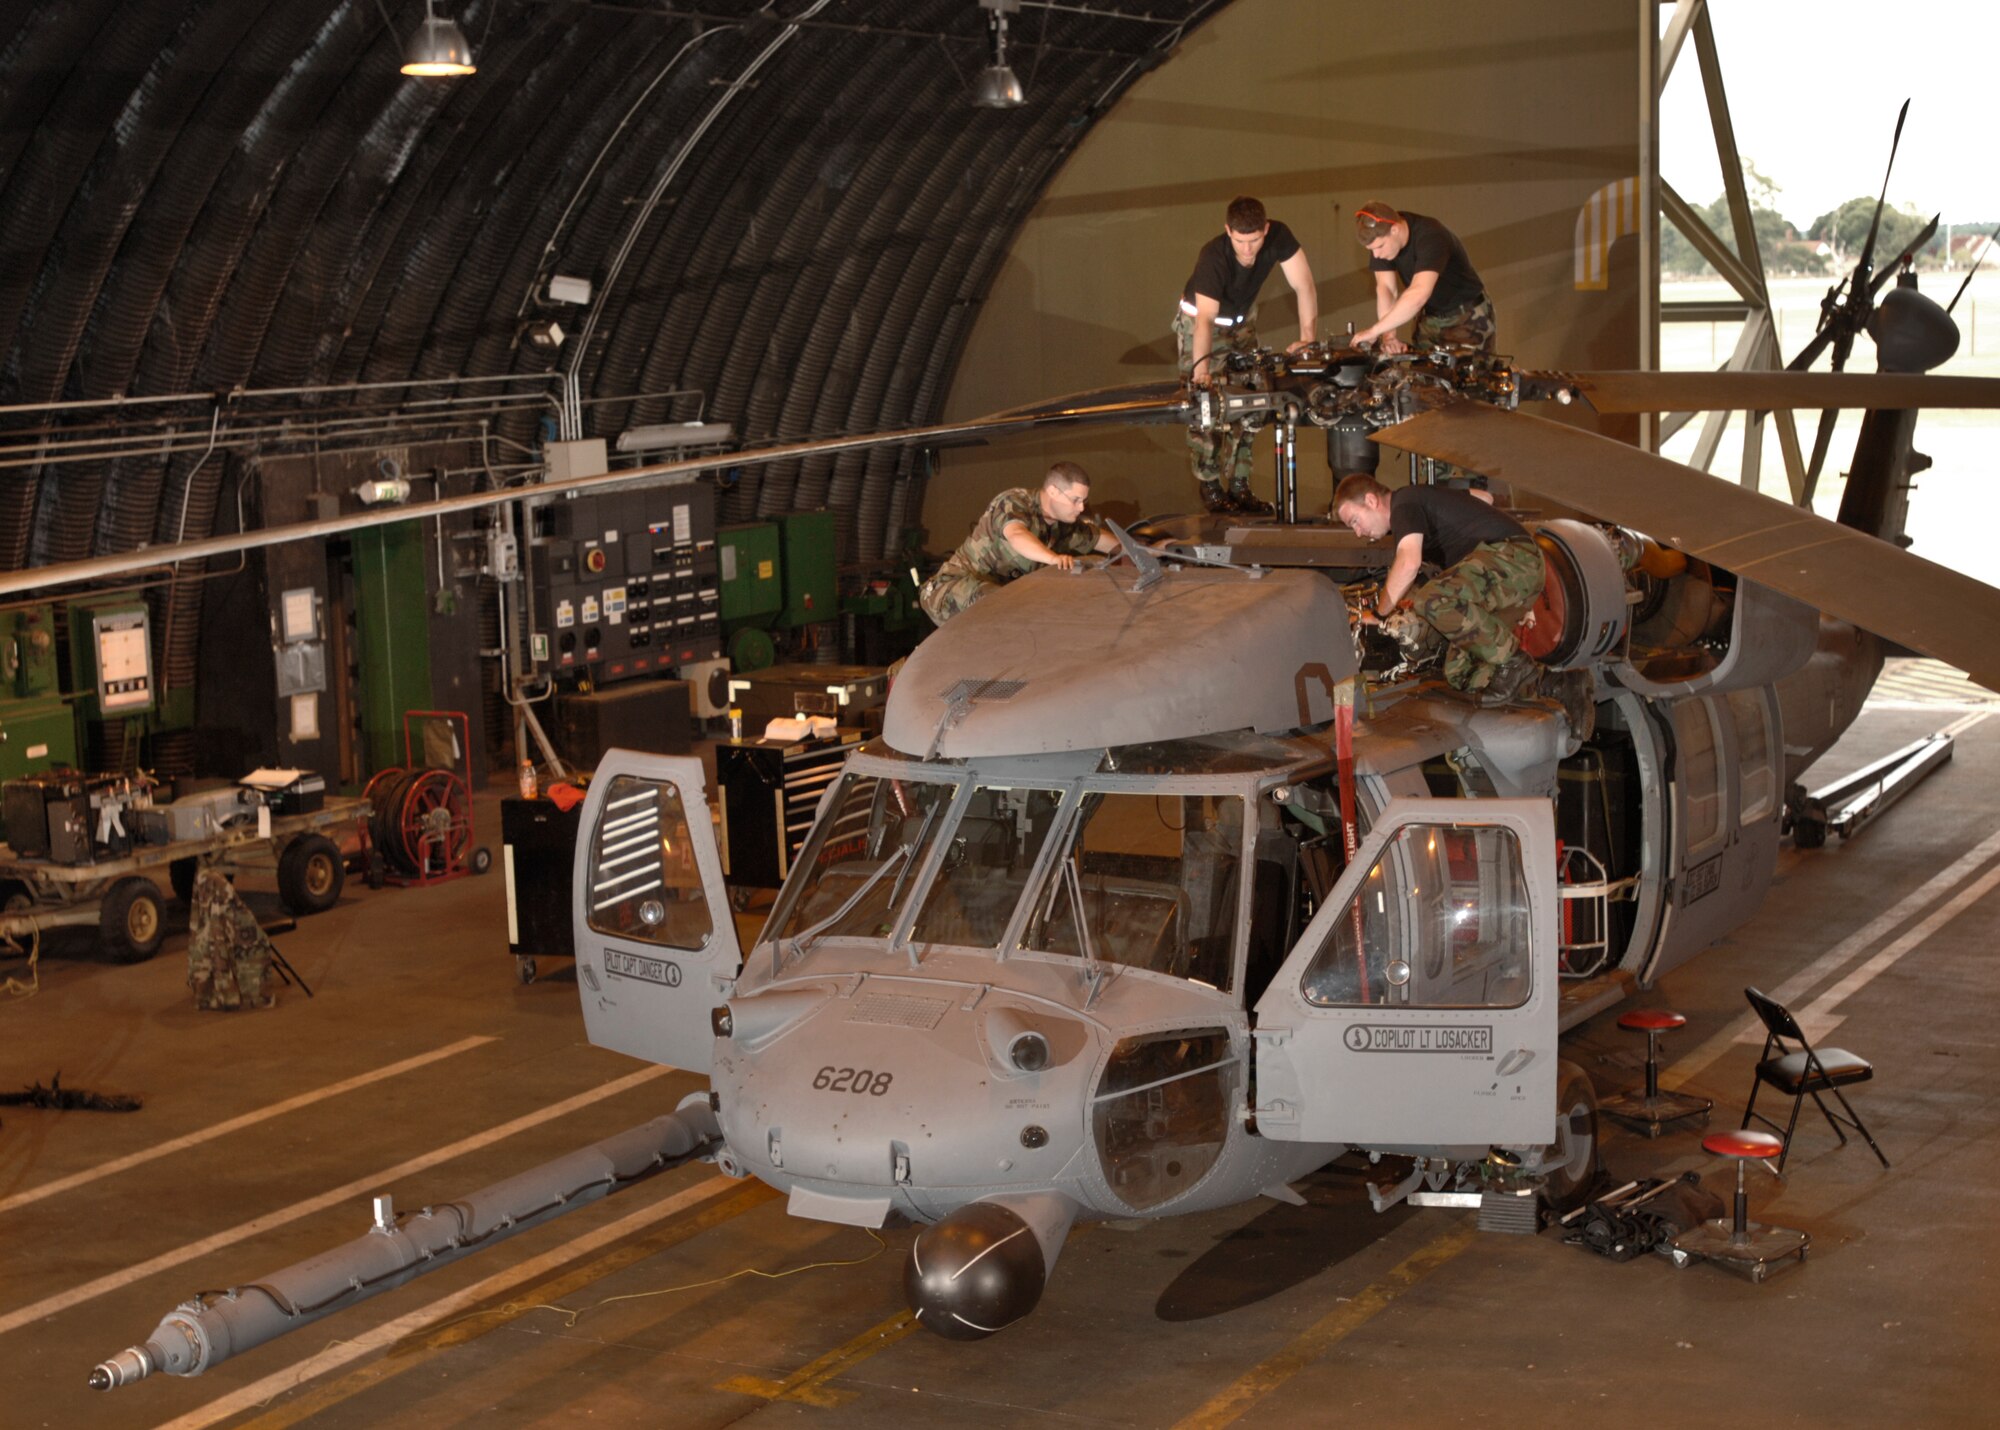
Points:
point(513, 1308)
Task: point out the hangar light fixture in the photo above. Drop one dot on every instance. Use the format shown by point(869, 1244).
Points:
point(439, 47)
point(998, 87)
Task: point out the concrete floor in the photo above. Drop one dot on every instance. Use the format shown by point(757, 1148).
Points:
point(1266, 1311)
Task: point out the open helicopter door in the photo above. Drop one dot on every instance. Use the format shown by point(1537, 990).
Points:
point(1419, 1007)
point(656, 944)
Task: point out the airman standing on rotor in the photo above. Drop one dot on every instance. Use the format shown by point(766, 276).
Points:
point(1217, 312)
point(1421, 272)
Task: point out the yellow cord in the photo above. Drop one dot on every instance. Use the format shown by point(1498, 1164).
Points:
point(14, 987)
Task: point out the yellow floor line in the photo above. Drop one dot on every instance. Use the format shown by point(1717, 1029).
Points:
point(1324, 1334)
point(551, 1292)
point(808, 1385)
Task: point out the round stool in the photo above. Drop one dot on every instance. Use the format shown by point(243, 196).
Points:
point(1654, 1110)
point(1741, 1244)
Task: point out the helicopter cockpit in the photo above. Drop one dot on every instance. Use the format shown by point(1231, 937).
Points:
point(1132, 859)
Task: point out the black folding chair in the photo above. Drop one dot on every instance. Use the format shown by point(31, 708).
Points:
point(1802, 1073)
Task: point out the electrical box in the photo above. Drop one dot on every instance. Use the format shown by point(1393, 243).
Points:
point(111, 656)
point(626, 583)
point(649, 715)
point(809, 568)
point(751, 584)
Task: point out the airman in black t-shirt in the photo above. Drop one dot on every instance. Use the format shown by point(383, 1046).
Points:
point(1218, 311)
point(1493, 570)
point(1421, 272)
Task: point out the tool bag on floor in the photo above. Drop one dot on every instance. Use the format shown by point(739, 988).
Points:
point(1641, 1216)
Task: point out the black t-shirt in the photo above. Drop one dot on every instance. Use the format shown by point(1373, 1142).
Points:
point(1218, 275)
point(1433, 248)
point(1452, 522)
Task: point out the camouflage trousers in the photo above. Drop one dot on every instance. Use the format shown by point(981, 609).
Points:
point(948, 593)
point(1468, 326)
point(1223, 457)
point(1476, 604)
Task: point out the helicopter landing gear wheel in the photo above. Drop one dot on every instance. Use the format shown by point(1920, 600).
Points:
point(1570, 1163)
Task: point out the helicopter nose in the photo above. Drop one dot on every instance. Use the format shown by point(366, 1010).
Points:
point(983, 1267)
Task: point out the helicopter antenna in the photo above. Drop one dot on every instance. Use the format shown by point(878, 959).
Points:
point(1985, 249)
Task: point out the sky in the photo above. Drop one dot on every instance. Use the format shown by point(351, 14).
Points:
point(1813, 91)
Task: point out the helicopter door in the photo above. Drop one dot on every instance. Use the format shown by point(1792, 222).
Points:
point(655, 941)
point(1419, 1007)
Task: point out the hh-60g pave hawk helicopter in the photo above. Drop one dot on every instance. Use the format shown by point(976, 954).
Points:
point(1161, 889)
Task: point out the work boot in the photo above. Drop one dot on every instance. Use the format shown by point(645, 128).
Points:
point(1241, 499)
point(1512, 681)
point(1213, 498)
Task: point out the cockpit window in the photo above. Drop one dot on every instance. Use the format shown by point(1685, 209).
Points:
point(643, 881)
point(1441, 921)
point(1147, 881)
point(993, 849)
point(863, 858)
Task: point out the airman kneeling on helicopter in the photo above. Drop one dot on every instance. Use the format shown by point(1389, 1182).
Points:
point(1492, 573)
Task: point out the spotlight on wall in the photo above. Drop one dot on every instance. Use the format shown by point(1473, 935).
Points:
point(547, 335)
point(998, 87)
point(439, 47)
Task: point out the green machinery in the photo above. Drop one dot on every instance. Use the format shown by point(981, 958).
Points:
point(37, 726)
point(780, 576)
point(77, 685)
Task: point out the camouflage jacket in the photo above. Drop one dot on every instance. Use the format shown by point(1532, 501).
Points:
point(986, 552)
point(229, 955)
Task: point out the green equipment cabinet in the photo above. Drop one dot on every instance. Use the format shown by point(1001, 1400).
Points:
point(37, 726)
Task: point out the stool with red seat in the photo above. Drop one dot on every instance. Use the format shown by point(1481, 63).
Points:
point(1654, 1110)
point(1740, 1244)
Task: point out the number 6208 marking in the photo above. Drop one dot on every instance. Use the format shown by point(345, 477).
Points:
point(855, 1080)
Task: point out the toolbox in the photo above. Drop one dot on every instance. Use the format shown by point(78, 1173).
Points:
point(198, 816)
point(287, 791)
point(770, 792)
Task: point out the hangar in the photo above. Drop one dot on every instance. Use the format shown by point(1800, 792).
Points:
point(365, 352)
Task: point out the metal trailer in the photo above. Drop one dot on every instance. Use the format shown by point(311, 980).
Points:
point(121, 895)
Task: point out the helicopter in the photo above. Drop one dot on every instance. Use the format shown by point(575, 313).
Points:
point(1165, 884)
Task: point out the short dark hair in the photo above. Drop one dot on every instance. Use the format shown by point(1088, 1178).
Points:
point(1357, 487)
point(1373, 219)
point(1246, 215)
point(1068, 474)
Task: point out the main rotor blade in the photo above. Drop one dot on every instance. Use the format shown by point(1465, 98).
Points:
point(1868, 249)
point(1822, 438)
point(1159, 401)
point(1841, 571)
point(1985, 249)
point(1080, 408)
point(1774, 391)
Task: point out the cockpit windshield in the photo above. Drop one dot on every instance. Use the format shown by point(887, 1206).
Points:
point(1146, 880)
point(863, 857)
point(994, 848)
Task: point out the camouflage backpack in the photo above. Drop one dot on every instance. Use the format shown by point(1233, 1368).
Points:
point(229, 956)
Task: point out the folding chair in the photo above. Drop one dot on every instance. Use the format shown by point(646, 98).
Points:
point(1802, 1073)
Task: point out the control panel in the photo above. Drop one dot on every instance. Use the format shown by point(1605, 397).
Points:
point(627, 583)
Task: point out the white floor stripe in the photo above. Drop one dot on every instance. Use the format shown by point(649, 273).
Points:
point(237, 1124)
point(1684, 1069)
point(353, 1191)
point(344, 1352)
point(1820, 1011)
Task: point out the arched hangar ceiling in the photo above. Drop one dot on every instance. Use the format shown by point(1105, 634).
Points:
point(790, 208)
